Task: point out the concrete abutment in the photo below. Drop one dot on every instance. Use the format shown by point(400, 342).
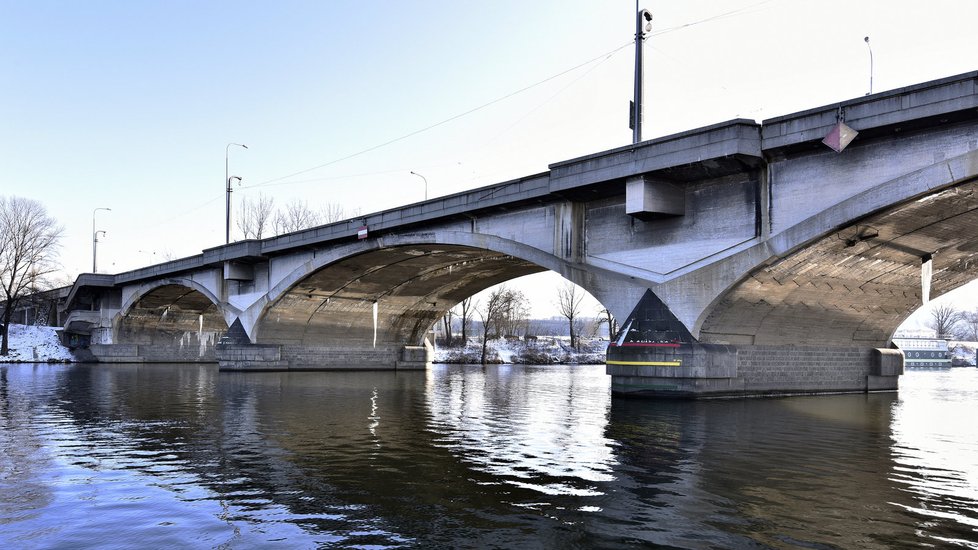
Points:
point(656, 356)
point(701, 370)
point(272, 357)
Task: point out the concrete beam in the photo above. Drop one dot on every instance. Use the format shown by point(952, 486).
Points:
point(713, 151)
point(927, 103)
point(647, 198)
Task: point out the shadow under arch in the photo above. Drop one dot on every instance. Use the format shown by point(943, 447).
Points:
point(859, 282)
point(412, 279)
point(175, 313)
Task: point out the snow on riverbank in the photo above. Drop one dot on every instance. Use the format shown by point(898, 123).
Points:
point(30, 344)
point(541, 351)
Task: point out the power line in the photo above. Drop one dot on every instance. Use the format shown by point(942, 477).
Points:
point(447, 120)
point(602, 57)
point(712, 18)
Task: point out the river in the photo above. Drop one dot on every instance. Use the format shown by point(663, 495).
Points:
point(153, 456)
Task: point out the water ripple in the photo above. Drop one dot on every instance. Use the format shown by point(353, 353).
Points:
point(474, 457)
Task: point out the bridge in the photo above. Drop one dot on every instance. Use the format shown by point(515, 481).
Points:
point(741, 258)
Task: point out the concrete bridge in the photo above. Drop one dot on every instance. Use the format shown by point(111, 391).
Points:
point(741, 258)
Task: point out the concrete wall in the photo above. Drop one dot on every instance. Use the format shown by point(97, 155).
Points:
point(769, 370)
point(721, 212)
point(264, 357)
point(152, 353)
point(804, 369)
point(804, 186)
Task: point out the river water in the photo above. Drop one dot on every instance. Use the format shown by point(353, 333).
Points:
point(123, 456)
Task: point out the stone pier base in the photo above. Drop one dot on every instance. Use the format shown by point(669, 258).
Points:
point(703, 370)
point(152, 353)
point(272, 357)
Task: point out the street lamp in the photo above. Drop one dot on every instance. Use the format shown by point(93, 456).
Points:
point(95, 239)
point(227, 180)
point(643, 24)
point(425, 183)
point(870, 65)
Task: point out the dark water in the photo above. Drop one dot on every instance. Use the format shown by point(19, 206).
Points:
point(466, 457)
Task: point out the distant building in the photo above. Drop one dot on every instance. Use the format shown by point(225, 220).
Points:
point(915, 333)
point(930, 353)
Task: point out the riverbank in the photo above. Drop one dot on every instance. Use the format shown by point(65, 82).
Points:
point(30, 344)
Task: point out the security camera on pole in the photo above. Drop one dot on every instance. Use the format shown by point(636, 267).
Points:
point(643, 24)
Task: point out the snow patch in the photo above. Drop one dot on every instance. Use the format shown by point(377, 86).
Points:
point(30, 344)
point(541, 350)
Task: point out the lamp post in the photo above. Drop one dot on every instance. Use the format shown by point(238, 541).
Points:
point(227, 180)
point(643, 24)
point(870, 66)
point(95, 239)
point(425, 183)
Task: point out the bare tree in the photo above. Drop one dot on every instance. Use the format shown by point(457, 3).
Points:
point(28, 246)
point(447, 324)
point(515, 315)
point(944, 319)
point(505, 312)
point(587, 328)
point(569, 303)
point(332, 212)
point(968, 328)
point(605, 316)
point(296, 216)
point(491, 315)
point(255, 216)
point(466, 309)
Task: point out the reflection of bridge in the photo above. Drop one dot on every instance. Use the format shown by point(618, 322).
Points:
point(743, 258)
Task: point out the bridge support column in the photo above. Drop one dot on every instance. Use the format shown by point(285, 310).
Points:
point(116, 353)
point(153, 353)
point(269, 357)
point(672, 369)
point(704, 370)
point(655, 356)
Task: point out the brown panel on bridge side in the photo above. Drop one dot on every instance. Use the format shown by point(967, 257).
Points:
point(412, 286)
point(856, 285)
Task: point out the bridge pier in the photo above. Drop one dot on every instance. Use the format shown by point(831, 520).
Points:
point(656, 356)
point(704, 370)
point(152, 353)
point(272, 357)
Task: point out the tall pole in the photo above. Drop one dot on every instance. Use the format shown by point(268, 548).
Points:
point(95, 239)
point(227, 180)
point(870, 66)
point(425, 183)
point(643, 23)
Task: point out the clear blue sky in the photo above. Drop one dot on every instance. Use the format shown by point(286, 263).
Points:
point(129, 105)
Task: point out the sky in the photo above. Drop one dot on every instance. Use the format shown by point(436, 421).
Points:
point(131, 105)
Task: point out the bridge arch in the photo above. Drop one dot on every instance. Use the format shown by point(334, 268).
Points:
point(856, 283)
point(171, 314)
point(411, 279)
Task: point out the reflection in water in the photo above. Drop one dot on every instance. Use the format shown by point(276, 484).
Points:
point(499, 456)
point(935, 450)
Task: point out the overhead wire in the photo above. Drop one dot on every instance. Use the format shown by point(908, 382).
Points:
point(445, 121)
point(603, 57)
point(600, 58)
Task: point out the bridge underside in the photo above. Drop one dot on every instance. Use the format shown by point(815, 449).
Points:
point(856, 285)
point(364, 310)
point(819, 319)
point(172, 323)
